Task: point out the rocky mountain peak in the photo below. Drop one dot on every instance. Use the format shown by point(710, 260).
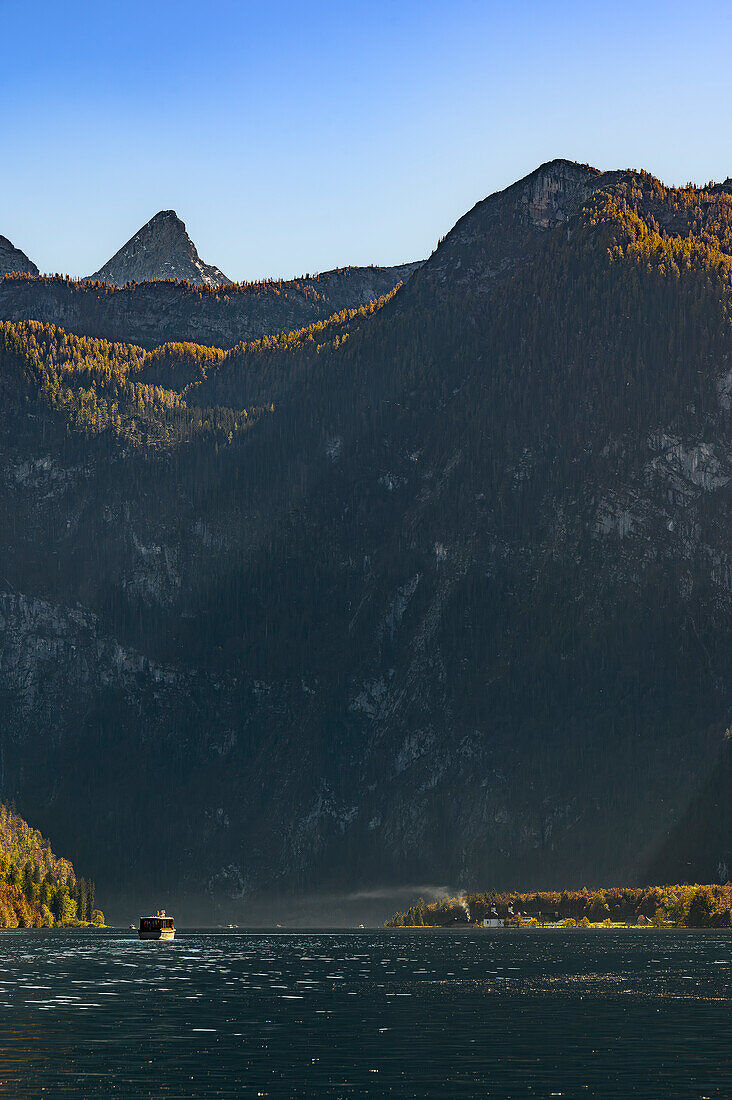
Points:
point(162, 249)
point(551, 193)
point(502, 231)
point(13, 260)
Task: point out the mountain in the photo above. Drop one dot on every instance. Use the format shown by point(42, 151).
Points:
point(13, 260)
point(155, 312)
point(431, 592)
point(160, 250)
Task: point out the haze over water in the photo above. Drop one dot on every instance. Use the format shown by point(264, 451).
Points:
point(373, 1013)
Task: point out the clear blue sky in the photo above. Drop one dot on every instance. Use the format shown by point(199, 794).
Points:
point(297, 136)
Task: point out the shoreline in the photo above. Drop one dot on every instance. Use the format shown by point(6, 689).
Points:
point(554, 928)
point(452, 930)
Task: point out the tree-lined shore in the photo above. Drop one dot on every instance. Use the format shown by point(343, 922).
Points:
point(37, 888)
point(681, 906)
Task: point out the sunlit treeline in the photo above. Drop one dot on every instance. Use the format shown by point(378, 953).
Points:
point(687, 906)
point(37, 888)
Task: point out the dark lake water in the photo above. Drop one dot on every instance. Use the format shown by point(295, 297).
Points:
point(375, 1013)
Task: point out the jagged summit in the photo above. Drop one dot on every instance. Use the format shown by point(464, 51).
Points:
point(13, 260)
point(162, 249)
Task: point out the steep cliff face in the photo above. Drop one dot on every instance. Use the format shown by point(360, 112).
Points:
point(160, 250)
point(13, 260)
point(456, 611)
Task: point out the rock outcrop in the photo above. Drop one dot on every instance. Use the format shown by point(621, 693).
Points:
point(13, 261)
point(160, 250)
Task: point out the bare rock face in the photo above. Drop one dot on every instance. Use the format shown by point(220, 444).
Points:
point(160, 250)
point(554, 191)
point(12, 260)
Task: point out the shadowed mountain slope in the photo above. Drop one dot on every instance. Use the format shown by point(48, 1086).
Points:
point(454, 606)
point(154, 313)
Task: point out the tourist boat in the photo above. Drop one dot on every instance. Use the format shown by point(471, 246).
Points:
point(159, 927)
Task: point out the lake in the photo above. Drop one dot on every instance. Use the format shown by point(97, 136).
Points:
point(368, 1013)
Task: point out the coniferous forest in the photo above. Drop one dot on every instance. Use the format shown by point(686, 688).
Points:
point(37, 889)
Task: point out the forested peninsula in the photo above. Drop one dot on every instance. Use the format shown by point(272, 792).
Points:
point(683, 906)
point(37, 888)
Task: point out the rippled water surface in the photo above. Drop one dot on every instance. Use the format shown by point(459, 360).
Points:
point(500, 1014)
